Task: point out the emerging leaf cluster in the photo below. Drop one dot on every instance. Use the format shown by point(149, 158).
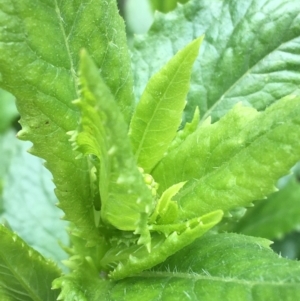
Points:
point(140, 182)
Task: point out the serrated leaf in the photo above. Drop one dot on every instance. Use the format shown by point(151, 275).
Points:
point(29, 204)
point(216, 267)
point(84, 284)
point(104, 134)
point(225, 172)
point(159, 111)
point(166, 241)
point(250, 52)
point(18, 278)
point(276, 216)
point(44, 38)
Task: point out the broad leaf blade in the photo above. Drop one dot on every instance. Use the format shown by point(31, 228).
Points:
point(225, 172)
point(250, 53)
point(217, 267)
point(24, 273)
point(39, 45)
point(276, 216)
point(104, 134)
point(158, 114)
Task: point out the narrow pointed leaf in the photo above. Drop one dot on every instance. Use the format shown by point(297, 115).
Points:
point(251, 52)
point(24, 273)
point(45, 37)
point(159, 112)
point(104, 134)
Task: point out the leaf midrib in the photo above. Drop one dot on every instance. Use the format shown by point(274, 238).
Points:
point(158, 105)
point(20, 280)
point(72, 65)
point(195, 276)
point(235, 83)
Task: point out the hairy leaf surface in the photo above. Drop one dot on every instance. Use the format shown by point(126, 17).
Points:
point(159, 111)
point(217, 267)
point(276, 216)
point(25, 274)
point(29, 204)
point(44, 38)
point(231, 163)
point(126, 201)
point(251, 52)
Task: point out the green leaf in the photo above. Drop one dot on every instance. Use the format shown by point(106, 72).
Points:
point(8, 110)
point(234, 161)
point(84, 284)
point(104, 135)
point(29, 204)
point(276, 216)
point(216, 267)
point(250, 52)
point(167, 240)
point(45, 38)
point(166, 5)
point(18, 278)
point(158, 114)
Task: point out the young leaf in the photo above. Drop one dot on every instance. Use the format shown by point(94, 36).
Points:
point(239, 59)
point(39, 38)
point(104, 134)
point(167, 240)
point(158, 114)
point(232, 169)
point(188, 129)
point(83, 284)
point(25, 274)
point(28, 183)
point(276, 216)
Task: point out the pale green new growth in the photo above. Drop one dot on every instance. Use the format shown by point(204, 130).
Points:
point(103, 133)
point(159, 111)
point(168, 240)
point(138, 190)
point(234, 161)
point(39, 46)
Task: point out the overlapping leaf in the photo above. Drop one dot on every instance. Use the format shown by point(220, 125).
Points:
point(39, 45)
point(251, 52)
point(159, 111)
point(104, 134)
point(216, 267)
point(231, 163)
point(25, 274)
